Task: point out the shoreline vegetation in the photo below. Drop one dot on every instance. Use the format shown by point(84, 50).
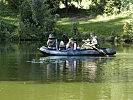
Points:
point(29, 25)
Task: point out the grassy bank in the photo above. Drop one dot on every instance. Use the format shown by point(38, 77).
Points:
point(104, 26)
point(8, 23)
point(8, 17)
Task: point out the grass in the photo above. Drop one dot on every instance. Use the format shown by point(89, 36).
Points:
point(8, 18)
point(102, 25)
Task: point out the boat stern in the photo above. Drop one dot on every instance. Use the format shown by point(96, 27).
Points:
point(110, 51)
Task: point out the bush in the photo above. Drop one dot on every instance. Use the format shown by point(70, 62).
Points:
point(112, 7)
point(4, 33)
point(128, 31)
point(96, 8)
point(35, 20)
point(127, 5)
point(75, 31)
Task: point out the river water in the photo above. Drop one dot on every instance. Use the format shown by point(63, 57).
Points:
point(25, 74)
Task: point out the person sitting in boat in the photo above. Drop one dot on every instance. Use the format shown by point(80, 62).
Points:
point(87, 44)
point(70, 44)
point(62, 46)
point(63, 42)
point(75, 45)
point(94, 41)
point(64, 38)
point(51, 43)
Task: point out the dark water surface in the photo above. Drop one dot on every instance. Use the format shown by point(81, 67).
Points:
point(25, 74)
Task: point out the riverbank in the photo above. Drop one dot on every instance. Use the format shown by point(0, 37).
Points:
point(109, 28)
point(106, 27)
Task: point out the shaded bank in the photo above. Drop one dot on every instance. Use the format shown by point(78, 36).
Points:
point(107, 28)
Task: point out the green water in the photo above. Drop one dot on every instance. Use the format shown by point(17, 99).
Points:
point(27, 75)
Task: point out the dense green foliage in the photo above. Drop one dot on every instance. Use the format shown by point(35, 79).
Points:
point(4, 33)
point(15, 4)
point(128, 31)
point(113, 7)
point(127, 4)
point(35, 19)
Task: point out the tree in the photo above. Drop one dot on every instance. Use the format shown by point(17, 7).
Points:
point(41, 13)
point(53, 4)
point(15, 4)
point(126, 4)
point(36, 20)
point(113, 7)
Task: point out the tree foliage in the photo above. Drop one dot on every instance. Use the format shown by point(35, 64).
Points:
point(113, 7)
point(128, 30)
point(127, 4)
point(4, 33)
point(36, 20)
point(117, 6)
point(15, 4)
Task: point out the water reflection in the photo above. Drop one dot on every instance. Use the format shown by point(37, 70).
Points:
point(71, 78)
point(75, 68)
point(23, 62)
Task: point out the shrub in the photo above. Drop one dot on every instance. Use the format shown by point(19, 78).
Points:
point(128, 31)
point(35, 20)
point(112, 7)
point(75, 31)
point(4, 33)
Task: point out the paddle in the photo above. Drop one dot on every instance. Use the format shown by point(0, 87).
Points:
point(99, 50)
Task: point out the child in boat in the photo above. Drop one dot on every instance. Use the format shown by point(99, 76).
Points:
point(51, 43)
point(72, 44)
point(90, 43)
point(64, 38)
point(94, 41)
point(87, 44)
point(69, 44)
point(63, 42)
point(62, 46)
